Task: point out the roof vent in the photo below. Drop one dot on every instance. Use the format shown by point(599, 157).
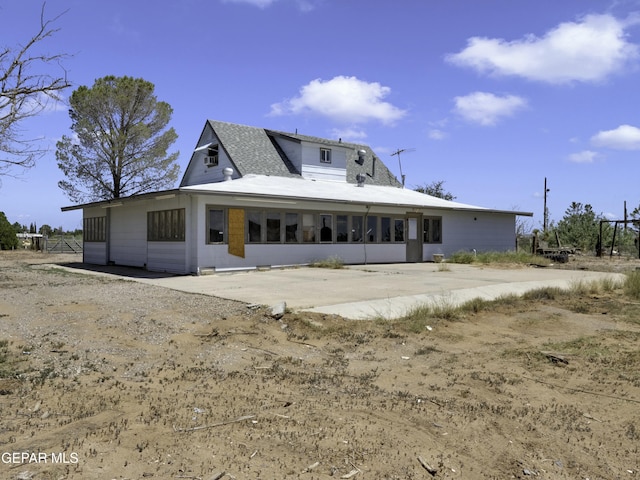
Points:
point(228, 173)
point(360, 178)
point(360, 159)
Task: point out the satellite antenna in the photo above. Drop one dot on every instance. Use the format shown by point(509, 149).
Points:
point(398, 152)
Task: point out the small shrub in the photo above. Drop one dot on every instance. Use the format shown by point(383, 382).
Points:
point(488, 258)
point(333, 262)
point(632, 285)
point(544, 293)
point(590, 287)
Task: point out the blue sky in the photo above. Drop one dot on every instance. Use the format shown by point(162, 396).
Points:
point(489, 96)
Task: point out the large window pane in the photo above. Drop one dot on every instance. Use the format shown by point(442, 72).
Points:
point(308, 227)
point(356, 228)
point(216, 226)
point(385, 229)
point(326, 228)
point(372, 229)
point(166, 225)
point(399, 230)
point(254, 227)
point(437, 230)
point(273, 227)
point(291, 227)
point(342, 228)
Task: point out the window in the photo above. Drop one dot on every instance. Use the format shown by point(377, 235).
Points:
point(211, 160)
point(342, 228)
point(273, 227)
point(254, 227)
point(308, 227)
point(166, 225)
point(385, 229)
point(326, 227)
point(325, 155)
point(372, 229)
point(356, 228)
point(432, 232)
point(216, 226)
point(399, 230)
point(291, 221)
point(93, 229)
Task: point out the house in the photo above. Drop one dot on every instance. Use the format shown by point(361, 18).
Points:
point(252, 197)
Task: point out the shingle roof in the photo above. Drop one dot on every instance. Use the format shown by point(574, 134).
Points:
point(251, 150)
point(254, 151)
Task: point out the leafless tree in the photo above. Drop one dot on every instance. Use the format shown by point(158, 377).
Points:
point(26, 88)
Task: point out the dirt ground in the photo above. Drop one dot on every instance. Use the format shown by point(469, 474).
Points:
point(111, 379)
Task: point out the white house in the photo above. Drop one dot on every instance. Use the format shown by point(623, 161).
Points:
point(252, 197)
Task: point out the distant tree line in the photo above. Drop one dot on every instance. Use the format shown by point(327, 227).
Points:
point(8, 232)
point(580, 227)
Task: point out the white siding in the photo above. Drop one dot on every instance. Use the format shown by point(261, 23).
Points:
point(279, 255)
point(94, 253)
point(198, 173)
point(465, 231)
point(128, 242)
point(167, 257)
point(312, 168)
point(324, 173)
point(293, 151)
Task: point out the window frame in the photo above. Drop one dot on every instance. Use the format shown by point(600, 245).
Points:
point(432, 230)
point(325, 155)
point(94, 229)
point(213, 151)
point(168, 225)
point(225, 225)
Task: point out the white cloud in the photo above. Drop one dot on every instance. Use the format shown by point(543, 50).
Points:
point(342, 99)
point(486, 108)
point(436, 134)
point(586, 156)
point(625, 137)
point(349, 134)
point(588, 50)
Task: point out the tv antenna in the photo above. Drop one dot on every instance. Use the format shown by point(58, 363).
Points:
point(398, 152)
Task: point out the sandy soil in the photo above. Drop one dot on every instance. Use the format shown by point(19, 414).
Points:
point(111, 379)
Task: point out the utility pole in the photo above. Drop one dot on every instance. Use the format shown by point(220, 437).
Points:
point(546, 212)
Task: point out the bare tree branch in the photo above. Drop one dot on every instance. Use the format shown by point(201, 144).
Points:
point(26, 88)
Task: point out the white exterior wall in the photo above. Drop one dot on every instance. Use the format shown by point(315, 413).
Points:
point(293, 151)
point(465, 231)
point(312, 168)
point(461, 231)
point(94, 253)
point(198, 173)
point(167, 257)
point(128, 239)
point(278, 255)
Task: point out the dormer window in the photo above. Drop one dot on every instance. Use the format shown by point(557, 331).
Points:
point(325, 155)
point(211, 159)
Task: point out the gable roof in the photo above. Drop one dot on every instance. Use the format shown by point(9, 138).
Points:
point(254, 150)
point(251, 150)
